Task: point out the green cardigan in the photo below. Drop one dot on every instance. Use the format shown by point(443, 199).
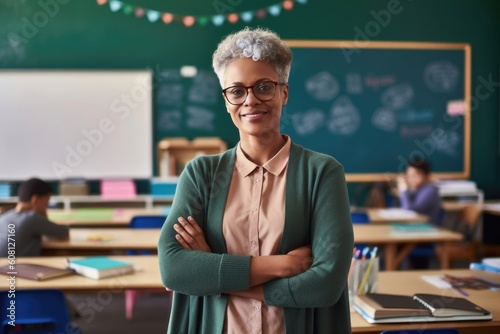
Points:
point(316, 213)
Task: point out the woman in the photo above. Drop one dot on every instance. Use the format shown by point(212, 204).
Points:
point(259, 238)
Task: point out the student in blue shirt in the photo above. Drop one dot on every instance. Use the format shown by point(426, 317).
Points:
point(417, 193)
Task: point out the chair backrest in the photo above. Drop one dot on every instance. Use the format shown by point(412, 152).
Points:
point(425, 331)
point(147, 221)
point(471, 214)
point(469, 220)
point(42, 310)
point(360, 218)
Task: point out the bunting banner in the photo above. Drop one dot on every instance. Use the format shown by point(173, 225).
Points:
point(153, 15)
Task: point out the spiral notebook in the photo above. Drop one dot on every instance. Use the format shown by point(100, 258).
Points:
point(388, 308)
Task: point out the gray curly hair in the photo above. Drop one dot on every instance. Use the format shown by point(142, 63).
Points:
point(259, 44)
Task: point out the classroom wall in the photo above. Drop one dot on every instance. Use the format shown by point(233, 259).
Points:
point(82, 34)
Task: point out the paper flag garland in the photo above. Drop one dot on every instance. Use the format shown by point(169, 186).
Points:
point(153, 15)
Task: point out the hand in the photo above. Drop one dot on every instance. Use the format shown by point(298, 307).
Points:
point(299, 261)
point(190, 235)
point(402, 185)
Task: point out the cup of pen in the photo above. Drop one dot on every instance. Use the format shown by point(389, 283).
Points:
point(363, 275)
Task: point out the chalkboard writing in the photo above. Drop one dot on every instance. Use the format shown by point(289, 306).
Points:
point(386, 106)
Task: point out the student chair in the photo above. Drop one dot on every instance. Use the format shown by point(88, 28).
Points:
point(467, 225)
point(423, 331)
point(132, 294)
point(41, 311)
point(360, 218)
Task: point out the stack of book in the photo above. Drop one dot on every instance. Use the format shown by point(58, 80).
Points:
point(164, 186)
point(98, 267)
point(387, 308)
point(118, 189)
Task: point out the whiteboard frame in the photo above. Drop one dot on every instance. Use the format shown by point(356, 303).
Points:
point(374, 177)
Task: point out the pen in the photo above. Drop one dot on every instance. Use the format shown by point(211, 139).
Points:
point(365, 252)
point(485, 267)
point(460, 291)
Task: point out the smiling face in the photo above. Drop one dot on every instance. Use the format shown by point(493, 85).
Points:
point(254, 117)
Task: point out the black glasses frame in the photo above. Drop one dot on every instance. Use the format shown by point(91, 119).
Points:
point(253, 86)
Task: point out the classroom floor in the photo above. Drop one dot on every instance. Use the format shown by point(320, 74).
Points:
point(151, 313)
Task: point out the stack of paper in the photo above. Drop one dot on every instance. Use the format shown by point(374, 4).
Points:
point(118, 189)
point(396, 213)
point(456, 187)
point(492, 262)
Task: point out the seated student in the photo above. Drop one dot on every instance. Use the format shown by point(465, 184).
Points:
point(417, 193)
point(29, 219)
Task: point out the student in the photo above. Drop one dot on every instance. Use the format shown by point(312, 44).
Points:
point(418, 193)
point(259, 238)
point(29, 220)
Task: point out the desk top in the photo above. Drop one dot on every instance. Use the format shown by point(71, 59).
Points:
point(147, 275)
point(106, 239)
point(410, 282)
point(100, 217)
point(127, 238)
point(384, 234)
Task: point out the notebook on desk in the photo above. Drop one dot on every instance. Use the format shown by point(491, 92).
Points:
point(388, 308)
point(33, 271)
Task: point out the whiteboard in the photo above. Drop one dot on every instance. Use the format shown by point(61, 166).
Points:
point(66, 123)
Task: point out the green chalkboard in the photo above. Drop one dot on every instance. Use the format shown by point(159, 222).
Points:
point(376, 107)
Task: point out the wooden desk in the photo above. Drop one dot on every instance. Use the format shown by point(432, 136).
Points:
point(398, 245)
point(492, 207)
point(90, 201)
point(120, 239)
point(147, 276)
point(410, 282)
point(377, 217)
point(100, 217)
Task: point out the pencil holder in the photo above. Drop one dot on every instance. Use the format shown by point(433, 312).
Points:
point(362, 278)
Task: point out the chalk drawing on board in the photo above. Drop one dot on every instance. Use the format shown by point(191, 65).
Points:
point(322, 86)
point(354, 83)
point(398, 96)
point(308, 122)
point(385, 119)
point(416, 116)
point(205, 88)
point(170, 94)
point(441, 76)
point(418, 130)
point(344, 117)
point(171, 74)
point(169, 120)
point(200, 118)
point(450, 145)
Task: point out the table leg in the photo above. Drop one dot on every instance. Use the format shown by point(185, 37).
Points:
point(444, 259)
point(390, 256)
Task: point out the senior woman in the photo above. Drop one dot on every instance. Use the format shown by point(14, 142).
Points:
point(259, 238)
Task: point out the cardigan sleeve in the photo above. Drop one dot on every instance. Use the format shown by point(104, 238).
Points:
point(194, 272)
point(332, 244)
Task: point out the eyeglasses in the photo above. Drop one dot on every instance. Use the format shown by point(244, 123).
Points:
point(264, 91)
